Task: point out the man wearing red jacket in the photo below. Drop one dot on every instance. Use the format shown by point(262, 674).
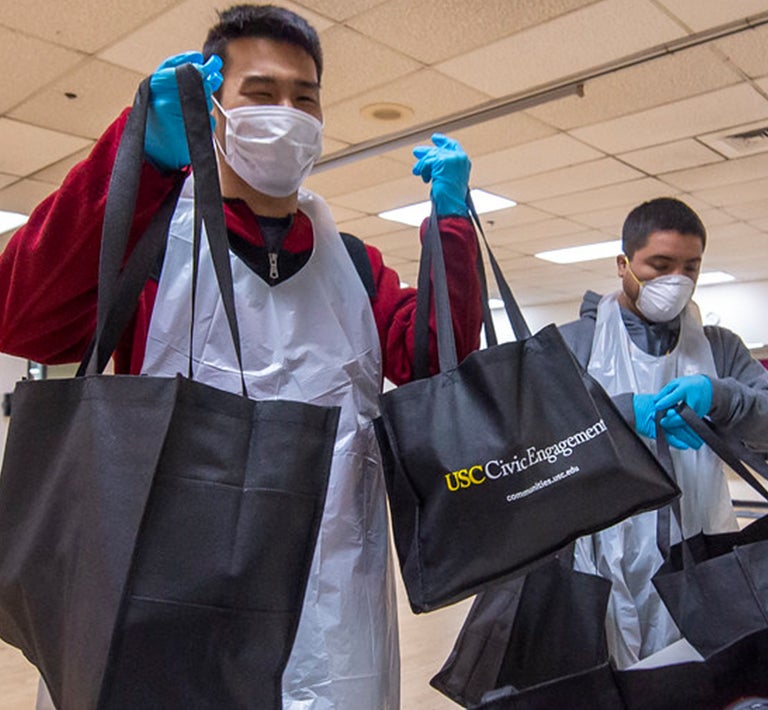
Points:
point(316, 325)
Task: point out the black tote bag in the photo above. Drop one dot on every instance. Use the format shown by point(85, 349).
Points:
point(716, 585)
point(499, 461)
point(156, 534)
point(538, 642)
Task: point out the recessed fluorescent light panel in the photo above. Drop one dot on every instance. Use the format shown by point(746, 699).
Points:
point(11, 220)
point(585, 252)
point(414, 215)
point(707, 278)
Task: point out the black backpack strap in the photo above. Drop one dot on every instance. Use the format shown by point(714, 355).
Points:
point(359, 255)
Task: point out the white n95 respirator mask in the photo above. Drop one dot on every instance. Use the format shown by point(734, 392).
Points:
point(272, 148)
point(663, 298)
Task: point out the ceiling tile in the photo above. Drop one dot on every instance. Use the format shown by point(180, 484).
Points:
point(749, 211)
point(635, 191)
point(736, 194)
point(405, 24)
point(611, 220)
point(723, 173)
point(532, 296)
point(747, 50)
point(86, 25)
point(681, 119)
point(608, 220)
point(594, 35)
point(339, 9)
point(24, 149)
point(385, 196)
point(514, 217)
point(398, 238)
point(738, 141)
point(365, 227)
point(407, 270)
point(547, 243)
point(743, 239)
point(686, 73)
point(528, 150)
point(102, 91)
point(489, 136)
point(518, 234)
point(522, 266)
point(55, 173)
point(748, 269)
point(330, 145)
point(180, 29)
point(342, 214)
point(355, 63)
point(670, 156)
point(530, 159)
point(6, 180)
point(695, 203)
point(722, 237)
point(23, 196)
point(355, 176)
point(700, 15)
point(429, 94)
point(711, 217)
point(42, 63)
point(574, 178)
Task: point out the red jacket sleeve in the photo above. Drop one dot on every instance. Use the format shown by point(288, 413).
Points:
point(395, 308)
point(49, 270)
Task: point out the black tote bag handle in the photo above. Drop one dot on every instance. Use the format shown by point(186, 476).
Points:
point(728, 448)
point(432, 269)
point(119, 290)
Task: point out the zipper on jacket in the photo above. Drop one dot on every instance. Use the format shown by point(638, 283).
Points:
point(273, 272)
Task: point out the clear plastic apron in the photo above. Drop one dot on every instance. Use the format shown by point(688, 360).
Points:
point(638, 623)
point(311, 338)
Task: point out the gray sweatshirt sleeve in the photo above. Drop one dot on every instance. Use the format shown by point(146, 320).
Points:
point(740, 394)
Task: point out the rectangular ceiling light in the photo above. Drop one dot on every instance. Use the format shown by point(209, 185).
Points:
point(414, 215)
point(707, 278)
point(585, 252)
point(11, 220)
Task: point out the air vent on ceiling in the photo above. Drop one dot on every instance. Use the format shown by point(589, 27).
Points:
point(740, 141)
point(747, 141)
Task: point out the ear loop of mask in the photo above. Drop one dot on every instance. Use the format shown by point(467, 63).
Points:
point(216, 142)
point(632, 273)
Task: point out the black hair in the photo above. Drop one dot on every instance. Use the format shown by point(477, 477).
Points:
point(661, 214)
point(268, 21)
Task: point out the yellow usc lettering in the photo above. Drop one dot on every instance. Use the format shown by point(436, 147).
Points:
point(464, 478)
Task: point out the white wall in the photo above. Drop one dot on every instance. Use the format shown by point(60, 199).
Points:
point(742, 308)
point(12, 369)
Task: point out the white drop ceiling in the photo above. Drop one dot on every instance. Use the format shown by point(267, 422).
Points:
point(576, 165)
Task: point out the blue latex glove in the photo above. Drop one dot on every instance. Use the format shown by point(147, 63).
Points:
point(645, 415)
point(165, 144)
point(694, 390)
point(447, 166)
point(675, 426)
point(645, 421)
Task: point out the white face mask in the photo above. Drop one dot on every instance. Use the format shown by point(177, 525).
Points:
point(663, 298)
point(272, 148)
